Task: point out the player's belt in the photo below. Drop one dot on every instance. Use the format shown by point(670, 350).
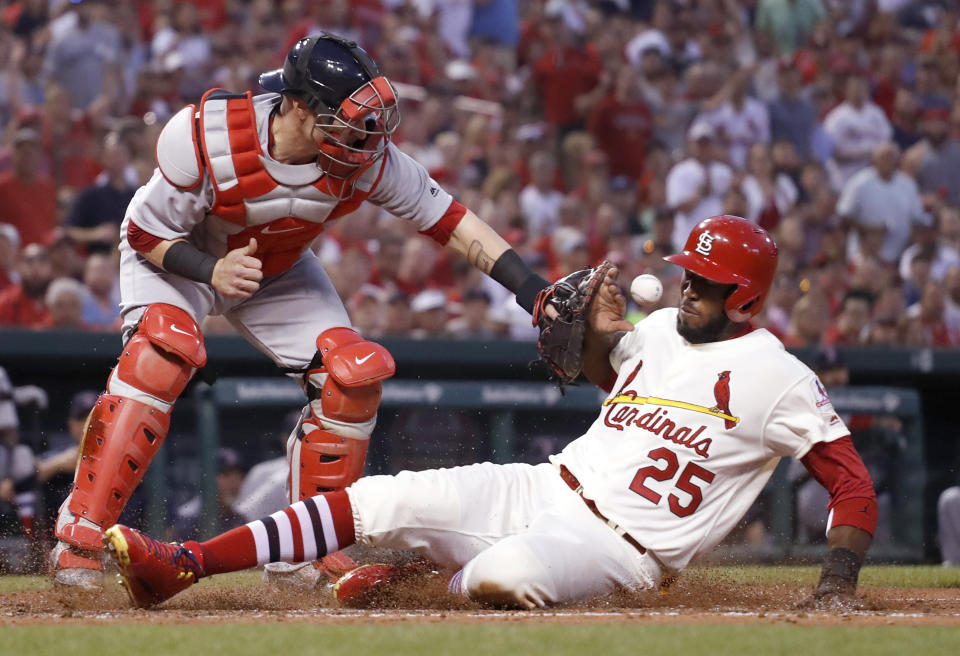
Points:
point(574, 485)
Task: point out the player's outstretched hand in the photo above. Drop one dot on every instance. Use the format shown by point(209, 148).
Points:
point(238, 273)
point(610, 306)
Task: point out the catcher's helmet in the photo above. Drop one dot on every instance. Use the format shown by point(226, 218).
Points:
point(339, 82)
point(731, 250)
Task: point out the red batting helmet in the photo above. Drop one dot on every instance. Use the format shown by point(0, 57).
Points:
point(731, 250)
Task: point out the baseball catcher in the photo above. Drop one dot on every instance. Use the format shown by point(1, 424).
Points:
point(242, 187)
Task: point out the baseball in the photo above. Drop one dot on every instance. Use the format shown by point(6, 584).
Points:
point(646, 288)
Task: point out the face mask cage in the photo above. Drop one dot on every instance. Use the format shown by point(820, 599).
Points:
point(359, 130)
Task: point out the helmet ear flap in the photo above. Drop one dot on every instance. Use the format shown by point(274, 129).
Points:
point(740, 308)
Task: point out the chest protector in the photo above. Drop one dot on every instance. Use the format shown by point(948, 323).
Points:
point(283, 217)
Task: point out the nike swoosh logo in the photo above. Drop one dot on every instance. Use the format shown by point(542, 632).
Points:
point(363, 359)
point(270, 231)
point(174, 328)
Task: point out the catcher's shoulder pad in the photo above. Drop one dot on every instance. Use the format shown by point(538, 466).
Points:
point(179, 157)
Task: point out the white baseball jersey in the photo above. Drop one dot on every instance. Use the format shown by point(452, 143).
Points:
point(692, 432)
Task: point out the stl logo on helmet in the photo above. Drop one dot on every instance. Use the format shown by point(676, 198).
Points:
point(705, 243)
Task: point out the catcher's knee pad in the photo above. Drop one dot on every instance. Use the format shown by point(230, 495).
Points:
point(343, 383)
point(161, 357)
point(119, 441)
point(130, 421)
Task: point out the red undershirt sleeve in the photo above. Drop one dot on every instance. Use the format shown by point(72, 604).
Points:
point(441, 230)
point(838, 467)
point(141, 240)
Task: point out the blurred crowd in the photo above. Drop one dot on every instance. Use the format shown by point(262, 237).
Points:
point(580, 130)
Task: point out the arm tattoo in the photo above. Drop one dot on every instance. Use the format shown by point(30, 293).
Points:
point(478, 257)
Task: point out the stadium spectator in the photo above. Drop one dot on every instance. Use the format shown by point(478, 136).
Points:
point(621, 124)
point(98, 210)
point(22, 305)
point(365, 308)
point(809, 320)
point(904, 119)
point(884, 199)
point(770, 195)
point(570, 249)
point(927, 86)
point(568, 68)
point(101, 306)
point(935, 241)
point(738, 120)
point(793, 117)
point(951, 310)
point(55, 467)
point(941, 157)
point(84, 51)
point(182, 41)
point(696, 185)
point(472, 322)
point(430, 317)
point(856, 127)
point(852, 325)
point(398, 317)
point(9, 247)
point(539, 201)
point(789, 22)
point(27, 196)
point(65, 299)
point(17, 487)
point(928, 312)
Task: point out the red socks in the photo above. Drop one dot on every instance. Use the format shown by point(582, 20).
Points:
point(302, 532)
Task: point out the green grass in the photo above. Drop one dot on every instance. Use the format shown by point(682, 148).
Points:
point(633, 635)
point(880, 576)
point(470, 639)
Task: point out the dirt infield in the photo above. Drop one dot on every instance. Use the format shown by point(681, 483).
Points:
point(693, 600)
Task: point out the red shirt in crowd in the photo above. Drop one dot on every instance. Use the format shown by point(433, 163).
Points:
point(30, 206)
point(622, 131)
point(561, 75)
point(17, 309)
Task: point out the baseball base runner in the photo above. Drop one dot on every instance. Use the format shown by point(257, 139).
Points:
point(701, 407)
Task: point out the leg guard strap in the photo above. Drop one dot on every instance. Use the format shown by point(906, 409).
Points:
point(121, 438)
point(321, 461)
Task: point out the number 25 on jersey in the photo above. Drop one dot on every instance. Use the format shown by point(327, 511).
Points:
point(685, 482)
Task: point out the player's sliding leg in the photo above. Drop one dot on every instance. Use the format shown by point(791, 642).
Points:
point(327, 450)
point(154, 571)
point(122, 435)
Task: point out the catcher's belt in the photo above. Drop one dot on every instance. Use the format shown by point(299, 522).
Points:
point(574, 485)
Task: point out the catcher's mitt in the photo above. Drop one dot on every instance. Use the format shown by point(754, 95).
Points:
point(561, 339)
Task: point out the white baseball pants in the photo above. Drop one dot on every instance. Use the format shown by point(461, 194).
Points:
point(521, 535)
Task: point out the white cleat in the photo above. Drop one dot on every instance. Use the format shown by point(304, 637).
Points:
point(292, 576)
point(74, 571)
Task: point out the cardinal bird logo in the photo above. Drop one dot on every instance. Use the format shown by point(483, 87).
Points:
point(721, 392)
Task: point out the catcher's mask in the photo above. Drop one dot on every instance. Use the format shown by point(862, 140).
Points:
point(731, 250)
point(356, 107)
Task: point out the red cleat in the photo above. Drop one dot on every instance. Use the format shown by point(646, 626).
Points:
point(336, 565)
point(152, 571)
point(360, 587)
point(364, 586)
